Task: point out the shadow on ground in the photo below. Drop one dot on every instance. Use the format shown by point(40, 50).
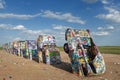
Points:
point(64, 66)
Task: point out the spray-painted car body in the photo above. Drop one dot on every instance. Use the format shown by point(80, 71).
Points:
point(84, 54)
point(8, 47)
point(31, 49)
point(51, 55)
point(15, 47)
point(21, 47)
point(25, 48)
point(50, 52)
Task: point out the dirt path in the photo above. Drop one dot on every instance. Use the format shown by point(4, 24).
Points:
point(13, 67)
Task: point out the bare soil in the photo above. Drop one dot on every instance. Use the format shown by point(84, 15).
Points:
point(13, 67)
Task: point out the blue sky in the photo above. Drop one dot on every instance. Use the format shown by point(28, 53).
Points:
point(26, 19)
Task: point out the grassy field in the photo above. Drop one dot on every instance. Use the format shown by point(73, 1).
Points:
point(110, 49)
point(1, 48)
point(105, 49)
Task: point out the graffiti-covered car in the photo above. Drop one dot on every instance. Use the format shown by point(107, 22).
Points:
point(47, 50)
point(22, 48)
point(15, 48)
point(84, 55)
point(31, 49)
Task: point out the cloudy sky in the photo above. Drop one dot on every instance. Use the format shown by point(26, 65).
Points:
point(26, 19)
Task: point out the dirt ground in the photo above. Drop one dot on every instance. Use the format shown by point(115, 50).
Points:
point(13, 67)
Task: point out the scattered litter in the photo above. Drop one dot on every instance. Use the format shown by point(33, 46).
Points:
point(111, 72)
point(105, 79)
point(116, 63)
point(15, 63)
point(101, 78)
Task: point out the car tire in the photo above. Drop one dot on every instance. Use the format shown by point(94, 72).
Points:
point(66, 48)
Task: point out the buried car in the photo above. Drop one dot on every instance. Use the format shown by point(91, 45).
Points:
point(31, 50)
point(25, 48)
point(84, 55)
point(47, 50)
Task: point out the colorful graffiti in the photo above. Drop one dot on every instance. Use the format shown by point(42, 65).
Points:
point(84, 55)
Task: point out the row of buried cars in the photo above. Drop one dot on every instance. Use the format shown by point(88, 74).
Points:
point(46, 45)
point(84, 55)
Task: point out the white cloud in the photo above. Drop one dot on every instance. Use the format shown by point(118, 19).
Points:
point(106, 28)
point(22, 29)
point(105, 1)
point(19, 27)
point(17, 16)
point(2, 4)
point(90, 1)
point(11, 27)
point(101, 33)
point(110, 28)
point(100, 28)
point(60, 27)
point(33, 32)
point(94, 1)
point(48, 14)
point(113, 15)
point(66, 17)
point(3, 26)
